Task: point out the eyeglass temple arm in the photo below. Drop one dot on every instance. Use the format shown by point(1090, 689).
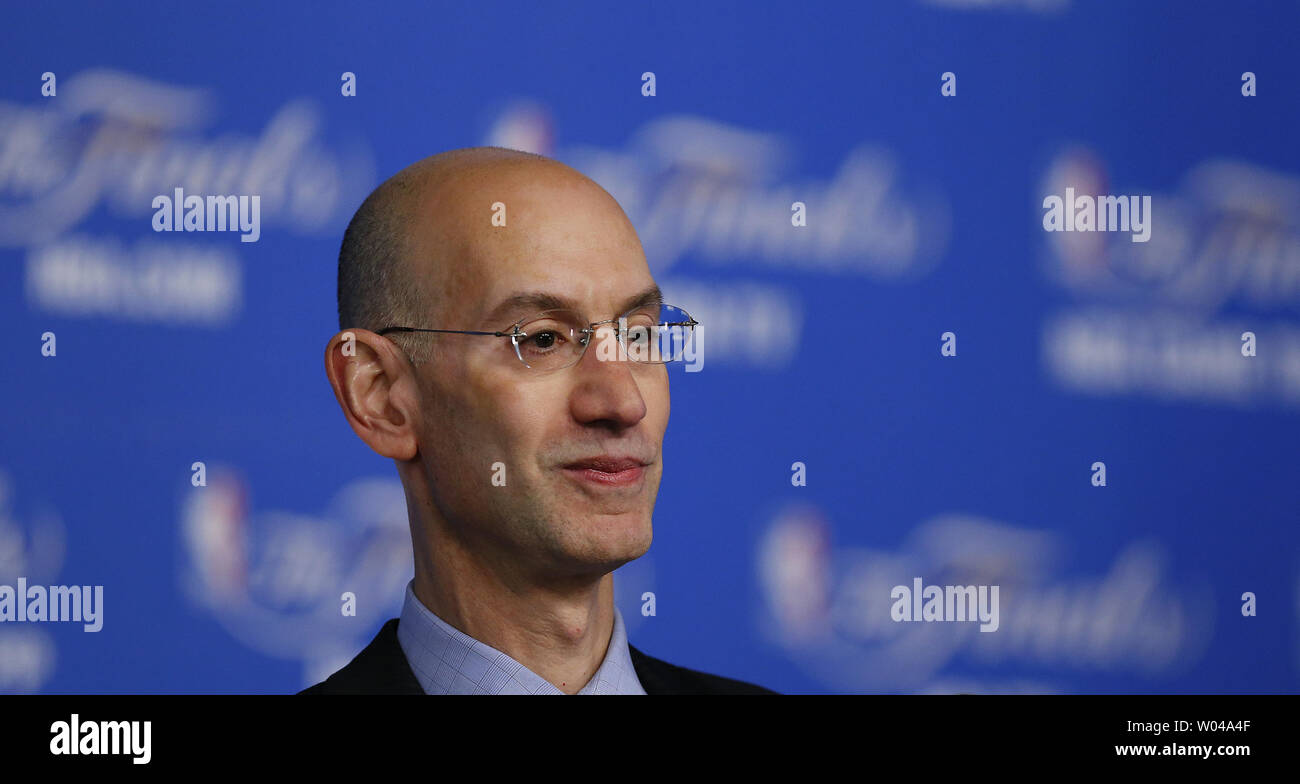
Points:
point(386, 330)
point(691, 323)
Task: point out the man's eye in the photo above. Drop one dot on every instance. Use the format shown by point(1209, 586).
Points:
point(542, 340)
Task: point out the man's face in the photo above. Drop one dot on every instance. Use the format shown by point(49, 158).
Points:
point(484, 410)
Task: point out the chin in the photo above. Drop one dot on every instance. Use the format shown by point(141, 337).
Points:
point(613, 540)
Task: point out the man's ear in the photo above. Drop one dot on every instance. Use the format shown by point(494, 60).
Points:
point(376, 387)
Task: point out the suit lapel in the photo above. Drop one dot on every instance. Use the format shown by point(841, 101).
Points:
point(655, 678)
point(380, 668)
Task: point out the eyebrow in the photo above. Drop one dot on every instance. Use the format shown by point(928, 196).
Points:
point(525, 303)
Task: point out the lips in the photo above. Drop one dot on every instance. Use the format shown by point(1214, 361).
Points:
point(607, 464)
point(607, 470)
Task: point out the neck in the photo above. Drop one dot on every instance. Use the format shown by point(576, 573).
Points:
point(558, 628)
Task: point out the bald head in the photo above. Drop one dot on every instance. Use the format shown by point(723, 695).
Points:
point(415, 234)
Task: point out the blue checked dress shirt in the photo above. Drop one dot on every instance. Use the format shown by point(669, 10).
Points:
point(445, 660)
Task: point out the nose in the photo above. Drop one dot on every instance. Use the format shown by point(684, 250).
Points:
point(606, 391)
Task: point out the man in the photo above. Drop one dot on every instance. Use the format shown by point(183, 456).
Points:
point(512, 295)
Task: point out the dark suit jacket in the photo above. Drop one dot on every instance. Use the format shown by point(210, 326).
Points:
point(381, 668)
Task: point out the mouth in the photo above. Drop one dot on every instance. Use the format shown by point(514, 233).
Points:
point(607, 471)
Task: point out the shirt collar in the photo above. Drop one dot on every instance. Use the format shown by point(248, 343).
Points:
point(445, 660)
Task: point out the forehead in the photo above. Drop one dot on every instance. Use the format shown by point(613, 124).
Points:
point(530, 229)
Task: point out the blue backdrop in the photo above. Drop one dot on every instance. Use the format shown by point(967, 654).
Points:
point(925, 216)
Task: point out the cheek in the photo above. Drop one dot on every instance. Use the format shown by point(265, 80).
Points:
point(448, 441)
point(459, 430)
point(658, 400)
point(520, 423)
point(521, 429)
